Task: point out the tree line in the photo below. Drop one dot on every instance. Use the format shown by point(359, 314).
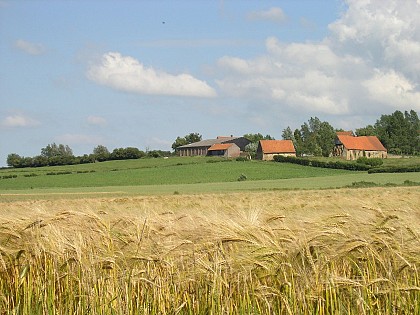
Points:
point(60, 154)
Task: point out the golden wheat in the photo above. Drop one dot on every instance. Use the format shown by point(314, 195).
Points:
point(318, 252)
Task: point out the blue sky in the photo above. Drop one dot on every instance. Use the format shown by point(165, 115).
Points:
point(141, 73)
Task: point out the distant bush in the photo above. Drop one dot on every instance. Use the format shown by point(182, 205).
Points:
point(60, 173)
point(8, 176)
point(242, 159)
point(362, 184)
point(242, 177)
point(30, 175)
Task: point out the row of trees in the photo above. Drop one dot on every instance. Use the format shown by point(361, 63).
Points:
point(398, 132)
point(53, 155)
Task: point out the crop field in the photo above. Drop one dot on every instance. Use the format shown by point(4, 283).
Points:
point(186, 236)
point(333, 251)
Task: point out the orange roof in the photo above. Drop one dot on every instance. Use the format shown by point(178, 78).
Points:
point(277, 146)
point(220, 146)
point(367, 143)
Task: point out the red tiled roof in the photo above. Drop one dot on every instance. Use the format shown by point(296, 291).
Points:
point(367, 143)
point(277, 146)
point(220, 146)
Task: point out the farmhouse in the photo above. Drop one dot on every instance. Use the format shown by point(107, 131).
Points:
point(267, 149)
point(201, 148)
point(350, 147)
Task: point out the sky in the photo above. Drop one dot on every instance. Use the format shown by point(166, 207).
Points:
point(141, 73)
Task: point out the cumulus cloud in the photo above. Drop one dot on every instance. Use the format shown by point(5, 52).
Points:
point(19, 121)
point(368, 62)
point(29, 48)
point(273, 14)
point(96, 120)
point(128, 74)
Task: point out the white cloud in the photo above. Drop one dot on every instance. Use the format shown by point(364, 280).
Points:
point(394, 88)
point(272, 14)
point(70, 138)
point(29, 48)
point(19, 121)
point(369, 61)
point(128, 74)
point(97, 120)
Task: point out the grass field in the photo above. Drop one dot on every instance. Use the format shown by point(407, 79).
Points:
point(345, 251)
point(177, 175)
point(154, 172)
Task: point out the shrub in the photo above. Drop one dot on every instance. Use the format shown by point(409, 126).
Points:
point(395, 169)
point(242, 177)
point(372, 162)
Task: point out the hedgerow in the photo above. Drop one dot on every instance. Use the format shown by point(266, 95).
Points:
point(342, 165)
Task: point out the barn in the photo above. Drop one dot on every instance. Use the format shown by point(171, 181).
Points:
point(201, 148)
point(228, 150)
point(351, 148)
point(267, 149)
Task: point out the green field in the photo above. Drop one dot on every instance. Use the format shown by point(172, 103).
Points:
point(180, 175)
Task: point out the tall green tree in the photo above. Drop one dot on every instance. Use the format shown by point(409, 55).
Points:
point(255, 137)
point(399, 132)
point(54, 150)
point(287, 134)
point(369, 130)
point(101, 153)
point(190, 138)
point(315, 137)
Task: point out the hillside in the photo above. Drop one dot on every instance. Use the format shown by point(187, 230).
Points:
point(179, 175)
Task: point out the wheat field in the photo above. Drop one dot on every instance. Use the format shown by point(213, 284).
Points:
point(345, 251)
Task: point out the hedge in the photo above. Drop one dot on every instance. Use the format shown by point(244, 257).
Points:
point(324, 164)
point(395, 169)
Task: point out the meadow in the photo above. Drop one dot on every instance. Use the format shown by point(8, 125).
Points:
point(179, 175)
point(334, 251)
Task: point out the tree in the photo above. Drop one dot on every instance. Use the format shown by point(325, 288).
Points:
point(14, 160)
point(101, 153)
point(399, 132)
point(298, 142)
point(325, 138)
point(255, 137)
point(126, 154)
point(54, 150)
point(315, 138)
point(287, 134)
point(369, 130)
point(190, 138)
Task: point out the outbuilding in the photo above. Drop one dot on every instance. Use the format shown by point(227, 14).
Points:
point(228, 150)
point(351, 148)
point(201, 148)
point(267, 149)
